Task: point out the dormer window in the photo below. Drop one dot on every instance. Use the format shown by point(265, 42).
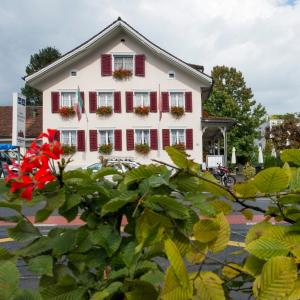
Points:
point(123, 62)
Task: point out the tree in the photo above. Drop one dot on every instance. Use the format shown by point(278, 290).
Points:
point(231, 98)
point(285, 135)
point(38, 61)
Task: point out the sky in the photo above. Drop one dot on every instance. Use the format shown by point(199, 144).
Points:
point(261, 38)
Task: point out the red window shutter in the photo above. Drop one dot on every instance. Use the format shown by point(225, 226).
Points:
point(118, 139)
point(130, 139)
point(140, 65)
point(80, 140)
point(153, 101)
point(189, 139)
point(165, 101)
point(165, 138)
point(188, 102)
point(153, 139)
point(82, 97)
point(57, 135)
point(55, 102)
point(106, 67)
point(129, 101)
point(93, 140)
point(93, 101)
point(117, 102)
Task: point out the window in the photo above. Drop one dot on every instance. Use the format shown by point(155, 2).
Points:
point(176, 99)
point(124, 62)
point(105, 99)
point(141, 99)
point(68, 99)
point(171, 74)
point(177, 136)
point(68, 137)
point(106, 137)
point(142, 136)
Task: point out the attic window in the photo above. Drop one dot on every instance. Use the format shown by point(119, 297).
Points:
point(171, 74)
point(73, 73)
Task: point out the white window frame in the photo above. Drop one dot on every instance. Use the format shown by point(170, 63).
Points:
point(105, 92)
point(61, 98)
point(142, 129)
point(106, 136)
point(124, 55)
point(177, 136)
point(183, 98)
point(69, 137)
point(141, 92)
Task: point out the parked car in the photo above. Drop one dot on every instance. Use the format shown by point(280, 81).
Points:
point(121, 165)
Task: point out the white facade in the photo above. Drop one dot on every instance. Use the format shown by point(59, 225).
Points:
point(87, 64)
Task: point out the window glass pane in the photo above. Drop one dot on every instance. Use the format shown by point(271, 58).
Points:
point(181, 139)
point(65, 137)
point(138, 136)
point(68, 99)
point(176, 99)
point(73, 137)
point(102, 137)
point(118, 62)
point(141, 99)
point(177, 136)
point(128, 63)
point(123, 62)
point(180, 99)
point(173, 136)
point(105, 99)
point(106, 137)
point(173, 99)
point(110, 137)
point(146, 137)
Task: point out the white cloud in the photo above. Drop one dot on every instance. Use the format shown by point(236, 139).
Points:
point(259, 37)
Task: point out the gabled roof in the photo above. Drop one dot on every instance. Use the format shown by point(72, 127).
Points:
point(194, 70)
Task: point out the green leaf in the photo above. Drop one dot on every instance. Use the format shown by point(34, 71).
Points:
point(77, 173)
point(108, 291)
point(256, 231)
point(278, 278)
point(209, 287)
point(295, 294)
point(23, 232)
point(154, 277)
point(245, 189)
point(9, 280)
point(206, 231)
point(271, 180)
point(248, 214)
point(197, 252)
point(199, 201)
point(27, 295)
point(291, 155)
point(5, 254)
point(42, 215)
point(141, 290)
point(64, 242)
point(253, 265)
point(55, 292)
point(104, 172)
point(41, 265)
point(118, 202)
point(11, 205)
point(37, 247)
point(221, 206)
point(266, 248)
point(295, 181)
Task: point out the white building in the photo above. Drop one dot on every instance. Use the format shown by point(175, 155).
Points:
point(159, 82)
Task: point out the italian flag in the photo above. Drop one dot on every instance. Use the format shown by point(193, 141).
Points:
point(79, 105)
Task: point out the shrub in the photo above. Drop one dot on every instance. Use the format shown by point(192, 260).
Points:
point(104, 111)
point(122, 74)
point(142, 110)
point(105, 149)
point(177, 111)
point(145, 216)
point(67, 112)
point(142, 148)
point(69, 149)
point(249, 171)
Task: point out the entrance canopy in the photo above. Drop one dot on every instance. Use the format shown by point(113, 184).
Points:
point(214, 136)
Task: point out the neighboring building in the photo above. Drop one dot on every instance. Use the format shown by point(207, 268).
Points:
point(34, 123)
point(157, 81)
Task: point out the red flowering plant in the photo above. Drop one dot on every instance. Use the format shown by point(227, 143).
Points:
point(104, 111)
point(142, 110)
point(122, 74)
point(67, 112)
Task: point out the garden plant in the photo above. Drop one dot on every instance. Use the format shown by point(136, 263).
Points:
point(135, 221)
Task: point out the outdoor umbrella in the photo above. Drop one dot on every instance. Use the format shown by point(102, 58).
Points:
point(260, 156)
point(233, 156)
point(273, 153)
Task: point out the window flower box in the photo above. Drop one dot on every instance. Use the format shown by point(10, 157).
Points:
point(105, 149)
point(142, 148)
point(68, 150)
point(67, 112)
point(122, 74)
point(142, 110)
point(179, 146)
point(177, 111)
point(104, 111)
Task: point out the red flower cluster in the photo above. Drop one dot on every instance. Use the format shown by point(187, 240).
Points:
point(34, 170)
point(142, 110)
point(67, 112)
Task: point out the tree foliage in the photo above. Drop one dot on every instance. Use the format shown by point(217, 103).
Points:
point(38, 61)
point(232, 98)
point(178, 214)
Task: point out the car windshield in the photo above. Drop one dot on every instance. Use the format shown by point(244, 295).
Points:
point(95, 166)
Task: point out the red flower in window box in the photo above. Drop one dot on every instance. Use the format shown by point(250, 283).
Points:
point(67, 112)
point(177, 111)
point(104, 111)
point(142, 148)
point(122, 74)
point(142, 110)
point(105, 149)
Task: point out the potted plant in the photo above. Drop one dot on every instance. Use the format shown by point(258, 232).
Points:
point(68, 149)
point(122, 74)
point(177, 111)
point(179, 146)
point(104, 111)
point(142, 148)
point(105, 149)
point(67, 112)
point(142, 110)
